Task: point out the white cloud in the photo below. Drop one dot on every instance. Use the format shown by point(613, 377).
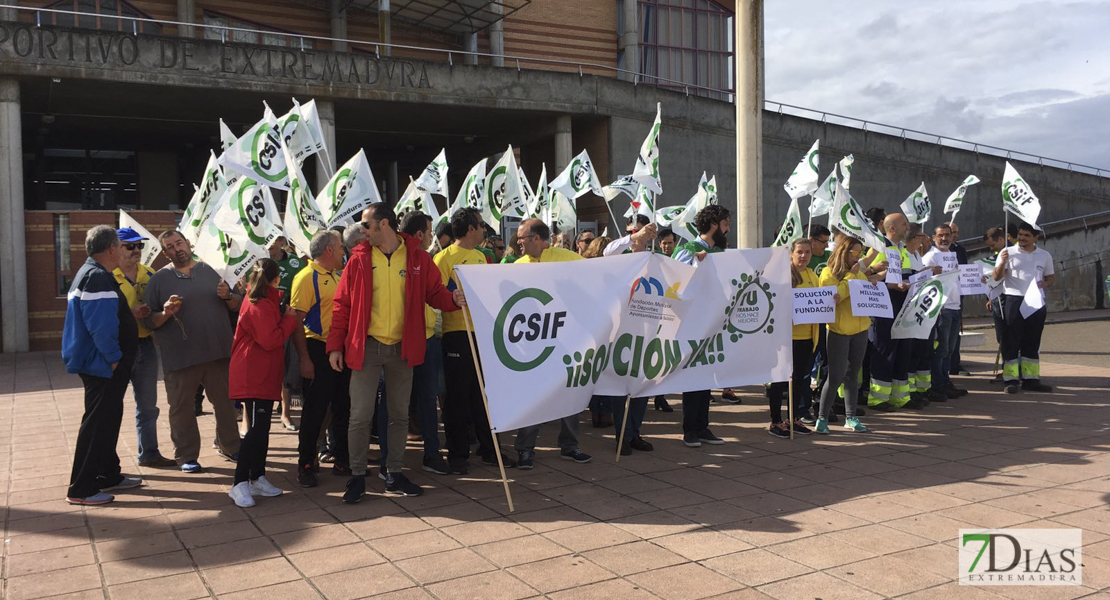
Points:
point(1027, 76)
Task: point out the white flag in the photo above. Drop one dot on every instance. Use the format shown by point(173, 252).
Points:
point(202, 205)
point(846, 170)
point(473, 195)
point(624, 185)
point(848, 217)
point(646, 172)
point(308, 137)
point(644, 203)
point(434, 178)
point(229, 257)
point(302, 216)
point(791, 228)
point(803, 181)
point(416, 199)
point(536, 200)
point(258, 153)
point(227, 138)
point(1017, 198)
point(578, 178)
point(822, 200)
point(917, 207)
point(503, 195)
point(151, 247)
point(920, 312)
point(705, 195)
point(350, 191)
point(563, 211)
point(666, 216)
point(247, 212)
point(956, 198)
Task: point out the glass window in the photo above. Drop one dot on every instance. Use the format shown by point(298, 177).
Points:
point(101, 14)
point(687, 42)
point(247, 32)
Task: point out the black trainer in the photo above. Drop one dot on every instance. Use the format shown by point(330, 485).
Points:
point(1035, 385)
point(639, 443)
point(491, 459)
point(356, 488)
point(435, 464)
point(458, 466)
point(576, 455)
point(305, 477)
point(399, 485)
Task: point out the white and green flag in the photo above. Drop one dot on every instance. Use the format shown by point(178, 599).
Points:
point(151, 247)
point(350, 190)
point(848, 217)
point(956, 198)
point(231, 258)
point(705, 195)
point(644, 203)
point(434, 178)
point(473, 195)
point(258, 153)
point(302, 217)
point(202, 205)
point(846, 170)
point(803, 181)
point(227, 138)
point(917, 207)
point(1018, 199)
point(920, 312)
point(247, 213)
point(625, 184)
point(821, 202)
point(564, 213)
point(416, 199)
point(307, 138)
point(792, 228)
point(667, 215)
point(578, 178)
point(503, 195)
point(646, 172)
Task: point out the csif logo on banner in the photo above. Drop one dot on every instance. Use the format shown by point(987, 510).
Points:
point(1021, 557)
point(580, 174)
point(928, 303)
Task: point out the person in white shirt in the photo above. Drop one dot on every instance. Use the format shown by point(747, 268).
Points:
point(948, 323)
point(1025, 272)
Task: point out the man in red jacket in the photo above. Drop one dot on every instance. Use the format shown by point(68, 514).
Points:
point(378, 324)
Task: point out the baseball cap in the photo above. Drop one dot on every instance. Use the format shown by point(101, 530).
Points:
point(127, 234)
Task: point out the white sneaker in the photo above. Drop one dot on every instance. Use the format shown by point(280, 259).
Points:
point(262, 487)
point(241, 494)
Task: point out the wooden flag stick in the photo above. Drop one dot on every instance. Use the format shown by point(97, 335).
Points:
point(485, 400)
point(790, 408)
point(624, 425)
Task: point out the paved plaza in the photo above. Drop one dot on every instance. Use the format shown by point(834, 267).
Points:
point(852, 516)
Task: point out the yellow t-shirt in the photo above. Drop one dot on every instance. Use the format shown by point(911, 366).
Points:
point(447, 260)
point(846, 323)
point(550, 254)
point(387, 308)
point(134, 291)
point(312, 293)
point(806, 331)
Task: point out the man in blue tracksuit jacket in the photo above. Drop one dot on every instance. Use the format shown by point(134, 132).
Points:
point(100, 341)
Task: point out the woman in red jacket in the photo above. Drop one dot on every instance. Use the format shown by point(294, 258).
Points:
point(257, 368)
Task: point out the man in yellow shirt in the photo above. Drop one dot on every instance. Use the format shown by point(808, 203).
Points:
point(534, 237)
point(463, 407)
point(132, 277)
point(311, 295)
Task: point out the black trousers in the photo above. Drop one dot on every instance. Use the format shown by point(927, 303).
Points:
point(256, 444)
point(95, 462)
point(463, 406)
point(330, 389)
point(803, 363)
point(695, 411)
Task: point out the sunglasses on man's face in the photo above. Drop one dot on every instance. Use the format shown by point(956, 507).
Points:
point(499, 247)
point(365, 224)
point(135, 246)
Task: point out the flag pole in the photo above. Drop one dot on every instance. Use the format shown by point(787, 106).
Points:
point(612, 214)
point(790, 408)
point(624, 425)
point(809, 224)
point(485, 400)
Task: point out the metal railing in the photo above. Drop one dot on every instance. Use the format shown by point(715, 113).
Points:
point(636, 79)
point(1060, 227)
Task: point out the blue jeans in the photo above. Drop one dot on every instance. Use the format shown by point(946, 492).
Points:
point(948, 331)
point(144, 385)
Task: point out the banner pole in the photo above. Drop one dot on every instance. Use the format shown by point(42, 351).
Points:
point(809, 224)
point(624, 425)
point(612, 215)
point(790, 408)
point(485, 400)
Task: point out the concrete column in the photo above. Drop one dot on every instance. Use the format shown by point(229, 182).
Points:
point(339, 24)
point(748, 220)
point(13, 257)
point(564, 150)
point(393, 183)
point(497, 37)
point(385, 21)
point(186, 13)
point(471, 45)
point(630, 39)
point(326, 109)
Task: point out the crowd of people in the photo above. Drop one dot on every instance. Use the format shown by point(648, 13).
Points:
point(370, 329)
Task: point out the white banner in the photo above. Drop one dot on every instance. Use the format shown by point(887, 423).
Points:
point(638, 324)
point(803, 181)
point(814, 305)
point(971, 280)
point(920, 311)
point(151, 247)
point(869, 300)
point(1018, 199)
point(646, 172)
point(349, 192)
point(917, 207)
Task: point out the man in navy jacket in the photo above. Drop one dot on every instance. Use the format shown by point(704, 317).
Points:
point(100, 341)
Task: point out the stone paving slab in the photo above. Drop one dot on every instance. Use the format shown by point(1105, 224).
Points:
point(839, 516)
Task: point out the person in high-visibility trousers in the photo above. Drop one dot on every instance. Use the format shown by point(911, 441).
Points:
point(921, 378)
point(1020, 267)
point(890, 360)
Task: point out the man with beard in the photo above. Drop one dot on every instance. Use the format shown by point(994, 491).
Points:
point(196, 346)
point(948, 323)
point(712, 223)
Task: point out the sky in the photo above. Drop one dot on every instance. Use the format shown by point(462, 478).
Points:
point(1026, 76)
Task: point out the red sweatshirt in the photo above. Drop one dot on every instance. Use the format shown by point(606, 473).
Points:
point(350, 319)
point(258, 351)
